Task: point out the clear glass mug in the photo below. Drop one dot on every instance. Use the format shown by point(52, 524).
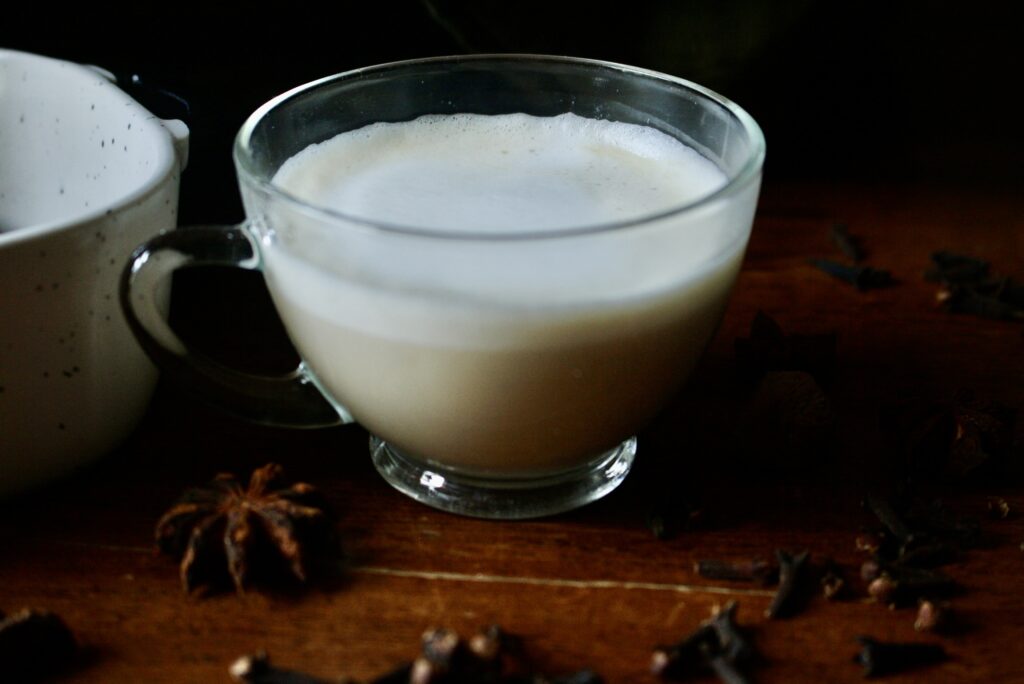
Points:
point(501, 375)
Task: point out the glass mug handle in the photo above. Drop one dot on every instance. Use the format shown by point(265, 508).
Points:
point(289, 400)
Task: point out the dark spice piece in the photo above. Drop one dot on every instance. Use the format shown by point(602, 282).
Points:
point(757, 570)
point(881, 658)
point(900, 586)
point(933, 555)
point(894, 524)
point(925, 535)
point(444, 659)
point(256, 669)
point(833, 583)
point(998, 508)
point(792, 580)
point(684, 658)
point(718, 644)
point(968, 300)
point(861, 277)
point(933, 616)
point(34, 644)
point(969, 288)
point(226, 532)
point(848, 244)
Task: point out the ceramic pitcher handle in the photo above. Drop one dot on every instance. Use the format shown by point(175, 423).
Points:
point(290, 400)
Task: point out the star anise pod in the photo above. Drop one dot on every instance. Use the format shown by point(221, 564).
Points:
point(224, 531)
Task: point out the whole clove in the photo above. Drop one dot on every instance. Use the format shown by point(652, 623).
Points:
point(971, 301)
point(899, 586)
point(34, 644)
point(833, 583)
point(894, 523)
point(718, 644)
point(733, 643)
point(849, 245)
point(925, 535)
point(861, 277)
point(998, 508)
point(881, 658)
point(870, 570)
point(932, 555)
point(444, 658)
point(868, 542)
point(933, 616)
point(954, 440)
point(257, 669)
point(792, 579)
point(968, 287)
point(756, 570)
point(683, 659)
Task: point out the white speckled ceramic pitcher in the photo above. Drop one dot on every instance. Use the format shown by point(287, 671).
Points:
point(85, 174)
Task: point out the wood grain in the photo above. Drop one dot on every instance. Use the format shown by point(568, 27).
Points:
point(592, 588)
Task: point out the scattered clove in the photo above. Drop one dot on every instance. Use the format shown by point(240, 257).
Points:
point(444, 658)
point(868, 542)
point(900, 586)
point(718, 644)
point(833, 583)
point(757, 570)
point(932, 555)
point(894, 524)
point(792, 575)
point(257, 669)
point(768, 348)
point(924, 535)
point(34, 644)
point(968, 287)
point(882, 658)
point(932, 616)
point(861, 277)
point(998, 508)
point(952, 441)
point(682, 659)
point(870, 570)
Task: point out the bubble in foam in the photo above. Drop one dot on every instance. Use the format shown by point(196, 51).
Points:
point(506, 173)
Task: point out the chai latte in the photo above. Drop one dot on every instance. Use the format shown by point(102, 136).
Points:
point(471, 345)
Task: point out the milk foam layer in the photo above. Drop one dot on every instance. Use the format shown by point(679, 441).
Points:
point(511, 173)
point(502, 357)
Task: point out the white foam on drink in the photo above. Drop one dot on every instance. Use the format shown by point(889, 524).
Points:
point(506, 173)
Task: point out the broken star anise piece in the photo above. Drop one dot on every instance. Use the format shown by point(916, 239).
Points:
point(225, 532)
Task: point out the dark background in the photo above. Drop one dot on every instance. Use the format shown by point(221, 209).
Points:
point(894, 92)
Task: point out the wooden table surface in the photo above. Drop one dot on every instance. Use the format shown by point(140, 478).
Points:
point(592, 588)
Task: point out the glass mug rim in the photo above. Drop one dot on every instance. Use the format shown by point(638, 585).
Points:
point(749, 171)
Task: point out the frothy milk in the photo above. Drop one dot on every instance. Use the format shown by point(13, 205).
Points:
point(485, 352)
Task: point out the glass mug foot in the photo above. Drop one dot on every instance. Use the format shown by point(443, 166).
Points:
point(503, 498)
